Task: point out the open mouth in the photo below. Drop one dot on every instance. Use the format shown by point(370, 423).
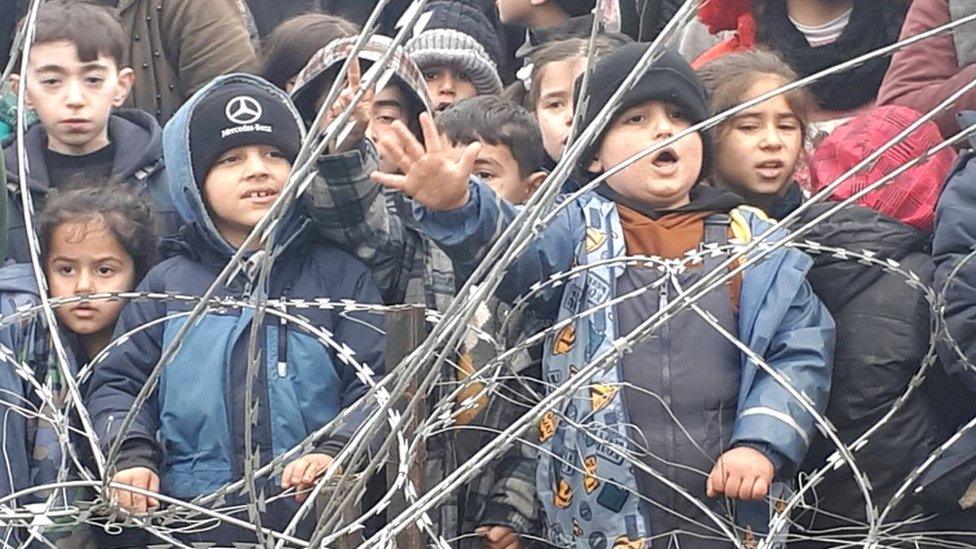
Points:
point(261, 193)
point(665, 159)
point(770, 168)
point(441, 107)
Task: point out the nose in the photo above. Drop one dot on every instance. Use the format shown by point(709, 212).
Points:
point(446, 84)
point(74, 96)
point(568, 117)
point(771, 138)
point(85, 282)
point(255, 166)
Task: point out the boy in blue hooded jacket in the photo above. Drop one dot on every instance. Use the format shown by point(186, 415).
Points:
point(698, 418)
point(229, 151)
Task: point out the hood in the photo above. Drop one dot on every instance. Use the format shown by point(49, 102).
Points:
point(137, 137)
point(321, 69)
point(184, 189)
point(18, 278)
point(703, 199)
point(836, 281)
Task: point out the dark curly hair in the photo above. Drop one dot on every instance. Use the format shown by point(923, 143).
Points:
point(127, 216)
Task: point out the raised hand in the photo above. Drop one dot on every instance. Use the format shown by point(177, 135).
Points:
point(499, 537)
point(430, 175)
point(303, 472)
point(361, 114)
point(741, 473)
point(139, 477)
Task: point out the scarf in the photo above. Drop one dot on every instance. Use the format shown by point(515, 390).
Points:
point(874, 24)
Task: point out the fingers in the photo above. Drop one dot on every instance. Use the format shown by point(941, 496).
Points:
point(760, 488)
point(469, 156)
point(390, 180)
point(432, 139)
point(391, 149)
point(499, 537)
point(139, 477)
point(302, 465)
point(732, 485)
point(139, 500)
point(716, 480)
point(412, 148)
point(153, 487)
point(355, 74)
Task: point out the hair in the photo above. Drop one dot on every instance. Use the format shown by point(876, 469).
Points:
point(495, 121)
point(293, 43)
point(576, 8)
point(127, 217)
point(562, 50)
point(729, 77)
point(94, 30)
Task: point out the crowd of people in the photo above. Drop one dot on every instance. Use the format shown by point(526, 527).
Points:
point(155, 145)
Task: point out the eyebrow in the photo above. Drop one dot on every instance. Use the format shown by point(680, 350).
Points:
point(490, 162)
point(388, 103)
point(94, 66)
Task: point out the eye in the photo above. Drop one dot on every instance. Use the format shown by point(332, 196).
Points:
point(94, 80)
point(50, 81)
point(788, 126)
point(677, 113)
point(275, 153)
point(106, 271)
point(65, 270)
point(553, 104)
point(636, 119)
point(747, 127)
point(228, 159)
point(431, 75)
point(484, 175)
point(463, 76)
point(386, 120)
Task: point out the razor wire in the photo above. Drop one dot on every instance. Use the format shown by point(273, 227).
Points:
point(429, 378)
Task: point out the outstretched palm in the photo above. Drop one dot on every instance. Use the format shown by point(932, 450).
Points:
point(430, 175)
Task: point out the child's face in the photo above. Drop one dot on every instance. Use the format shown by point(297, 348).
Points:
point(241, 186)
point(757, 150)
point(389, 105)
point(84, 257)
point(497, 167)
point(554, 109)
point(447, 86)
point(662, 179)
point(74, 99)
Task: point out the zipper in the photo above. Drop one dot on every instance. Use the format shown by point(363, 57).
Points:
point(283, 336)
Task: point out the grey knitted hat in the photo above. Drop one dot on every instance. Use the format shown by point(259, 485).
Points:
point(451, 48)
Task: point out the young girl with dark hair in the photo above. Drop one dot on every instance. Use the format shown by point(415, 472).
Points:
point(757, 150)
point(94, 240)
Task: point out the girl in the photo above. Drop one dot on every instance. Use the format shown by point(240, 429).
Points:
point(93, 240)
point(757, 150)
point(295, 41)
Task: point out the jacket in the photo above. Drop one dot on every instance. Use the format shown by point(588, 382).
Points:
point(192, 429)
point(138, 162)
point(176, 47)
point(925, 73)
point(779, 316)
point(883, 337)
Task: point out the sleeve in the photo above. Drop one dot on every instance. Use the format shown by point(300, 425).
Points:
point(351, 211)
point(927, 72)
point(801, 349)
point(954, 239)
point(205, 40)
point(363, 335)
point(468, 233)
point(15, 472)
point(116, 382)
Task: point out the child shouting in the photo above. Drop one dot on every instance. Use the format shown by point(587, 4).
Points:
point(230, 151)
point(686, 402)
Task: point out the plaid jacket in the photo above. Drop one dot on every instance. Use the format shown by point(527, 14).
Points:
point(354, 213)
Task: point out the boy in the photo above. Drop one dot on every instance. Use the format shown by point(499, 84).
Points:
point(458, 53)
point(693, 407)
point(230, 151)
point(74, 79)
point(510, 151)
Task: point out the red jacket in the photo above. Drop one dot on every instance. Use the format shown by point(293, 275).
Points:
point(925, 73)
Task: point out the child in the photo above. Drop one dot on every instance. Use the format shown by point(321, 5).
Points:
point(230, 151)
point(93, 240)
point(74, 79)
point(458, 53)
point(715, 409)
point(293, 43)
point(757, 150)
point(510, 149)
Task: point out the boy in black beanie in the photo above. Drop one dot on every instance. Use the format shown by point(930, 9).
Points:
point(683, 417)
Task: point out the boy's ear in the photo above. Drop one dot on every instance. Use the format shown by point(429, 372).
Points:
point(124, 86)
point(532, 182)
point(595, 166)
point(15, 83)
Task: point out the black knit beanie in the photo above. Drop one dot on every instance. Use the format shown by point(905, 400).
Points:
point(238, 115)
point(462, 17)
point(669, 79)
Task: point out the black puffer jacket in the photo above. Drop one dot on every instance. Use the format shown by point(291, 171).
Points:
point(883, 336)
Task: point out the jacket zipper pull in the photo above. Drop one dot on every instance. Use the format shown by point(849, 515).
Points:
point(663, 296)
point(283, 338)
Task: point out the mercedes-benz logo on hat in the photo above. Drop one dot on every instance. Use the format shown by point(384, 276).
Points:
point(243, 109)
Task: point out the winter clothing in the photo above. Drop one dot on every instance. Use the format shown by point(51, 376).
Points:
point(196, 441)
point(779, 318)
point(451, 48)
point(883, 335)
point(177, 46)
point(466, 19)
point(311, 82)
point(238, 115)
point(669, 79)
point(138, 162)
point(643, 20)
point(924, 74)
point(911, 196)
point(33, 454)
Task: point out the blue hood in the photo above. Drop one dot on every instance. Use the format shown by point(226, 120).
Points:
point(183, 187)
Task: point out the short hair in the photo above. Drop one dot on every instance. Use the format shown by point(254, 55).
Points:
point(729, 77)
point(127, 216)
point(495, 121)
point(292, 44)
point(94, 30)
point(576, 8)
